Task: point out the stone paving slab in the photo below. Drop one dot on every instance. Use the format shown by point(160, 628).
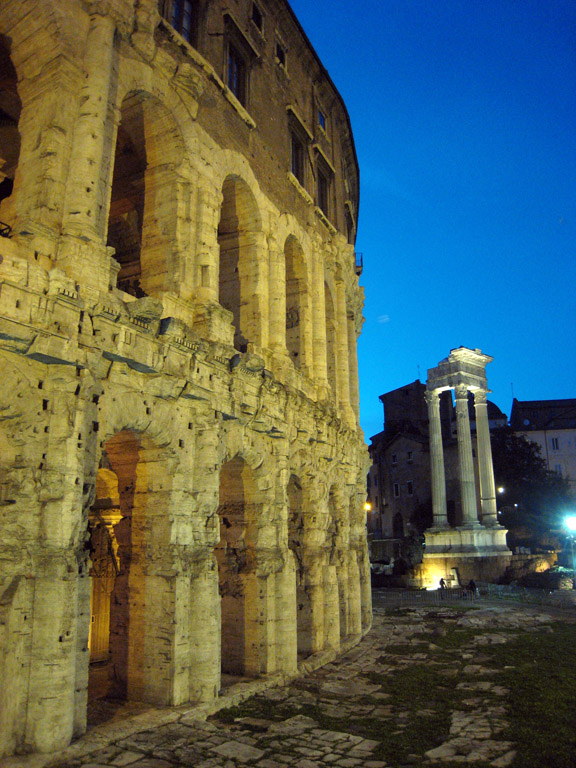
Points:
point(333, 716)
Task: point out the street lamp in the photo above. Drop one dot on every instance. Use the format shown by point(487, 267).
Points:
point(570, 523)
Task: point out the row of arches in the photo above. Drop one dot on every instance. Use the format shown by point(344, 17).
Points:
point(261, 587)
point(149, 191)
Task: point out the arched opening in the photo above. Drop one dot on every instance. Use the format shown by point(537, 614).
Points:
point(128, 527)
point(10, 108)
point(104, 516)
point(237, 234)
point(296, 546)
point(142, 218)
point(330, 338)
point(296, 302)
point(236, 570)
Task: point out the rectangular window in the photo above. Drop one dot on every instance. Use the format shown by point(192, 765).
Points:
point(396, 490)
point(323, 191)
point(410, 488)
point(183, 16)
point(394, 458)
point(298, 159)
point(554, 442)
point(322, 120)
point(257, 16)
point(280, 55)
point(237, 73)
point(410, 455)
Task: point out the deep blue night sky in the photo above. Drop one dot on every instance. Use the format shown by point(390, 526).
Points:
point(464, 117)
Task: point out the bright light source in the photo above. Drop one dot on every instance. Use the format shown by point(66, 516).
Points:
point(570, 523)
point(500, 489)
point(367, 506)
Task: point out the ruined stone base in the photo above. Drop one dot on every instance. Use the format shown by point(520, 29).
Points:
point(460, 554)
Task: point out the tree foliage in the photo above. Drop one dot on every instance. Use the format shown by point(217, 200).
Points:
point(533, 497)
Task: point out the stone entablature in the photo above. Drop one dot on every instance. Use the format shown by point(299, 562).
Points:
point(182, 470)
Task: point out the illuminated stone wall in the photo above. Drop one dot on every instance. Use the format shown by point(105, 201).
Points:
point(181, 465)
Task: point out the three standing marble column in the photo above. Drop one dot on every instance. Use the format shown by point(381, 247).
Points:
point(462, 371)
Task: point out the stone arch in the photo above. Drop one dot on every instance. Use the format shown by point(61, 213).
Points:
point(298, 309)
point(142, 219)
point(238, 582)
point(103, 517)
point(330, 319)
point(10, 109)
point(238, 230)
point(133, 488)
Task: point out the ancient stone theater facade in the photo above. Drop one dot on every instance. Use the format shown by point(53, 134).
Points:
point(182, 471)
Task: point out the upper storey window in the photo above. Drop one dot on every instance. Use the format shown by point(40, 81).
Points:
point(257, 16)
point(324, 177)
point(240, 54)
point(237, 73)
point(322, 120)
point(298, 155)
point(183, 16)
point(323, 190)
point(300, 138)
point(281, 54)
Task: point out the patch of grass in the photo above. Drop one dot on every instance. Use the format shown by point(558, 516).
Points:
point(541, 677)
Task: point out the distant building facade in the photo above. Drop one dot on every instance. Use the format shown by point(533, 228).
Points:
point(551, 424)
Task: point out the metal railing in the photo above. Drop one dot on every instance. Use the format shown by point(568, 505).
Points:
point(564, 599)
point(358, 262)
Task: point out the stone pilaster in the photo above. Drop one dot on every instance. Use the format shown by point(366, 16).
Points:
point(253, 269)
point(465, 458)
point(206, 248)
point(44, 126)
point(485, 466)
point(204, 629)
point(277, 297)
point(353, 368)
point(437, 460)
point(82, 252)
point(342, 369)
point(319, 314)
point(85, 216)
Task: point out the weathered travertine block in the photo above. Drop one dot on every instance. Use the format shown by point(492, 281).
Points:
point(181, 467)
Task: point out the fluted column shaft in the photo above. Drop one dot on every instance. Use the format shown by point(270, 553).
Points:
point(485, 466)
point(437, 460)
point(465, 458)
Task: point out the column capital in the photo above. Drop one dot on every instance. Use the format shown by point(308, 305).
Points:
point(432, 396)
point(480, 397)
point(461, 391)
